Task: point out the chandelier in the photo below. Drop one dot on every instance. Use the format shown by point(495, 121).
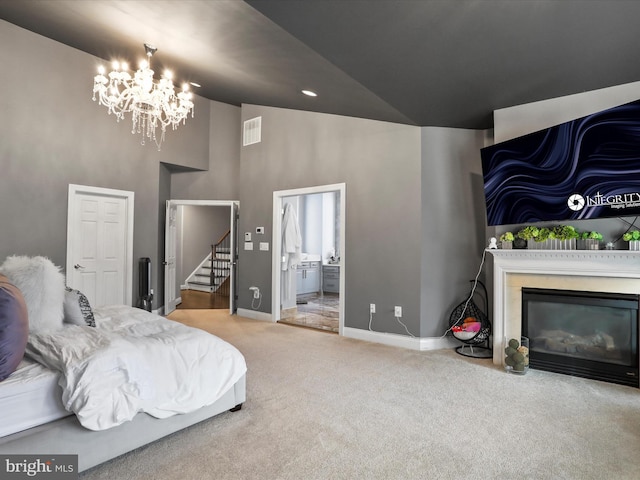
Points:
point(152, 104)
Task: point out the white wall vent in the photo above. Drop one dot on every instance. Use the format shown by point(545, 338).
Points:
point(252, 132)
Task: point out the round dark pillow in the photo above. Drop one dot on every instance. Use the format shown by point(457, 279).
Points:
point(14, 327)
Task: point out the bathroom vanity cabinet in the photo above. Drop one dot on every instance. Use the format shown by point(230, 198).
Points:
point(308, 278)
point(331, 278)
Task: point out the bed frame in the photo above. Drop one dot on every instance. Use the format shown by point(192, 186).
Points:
point(67, 436)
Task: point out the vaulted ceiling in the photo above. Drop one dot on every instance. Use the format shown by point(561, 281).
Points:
point(420, 62)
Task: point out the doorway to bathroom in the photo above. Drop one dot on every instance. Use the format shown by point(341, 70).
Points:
point(310, 293)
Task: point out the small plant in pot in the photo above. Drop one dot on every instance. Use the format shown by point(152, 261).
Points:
point(544, 234)
point(591, 240)
point(506, 240)
point(524, 235)
point(564, 232)
point(540, 240)
point(591, 236)
point(560, 237)
point(563, 237)
point(633, 237)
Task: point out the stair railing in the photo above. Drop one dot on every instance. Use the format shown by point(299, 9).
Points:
point(220, 248)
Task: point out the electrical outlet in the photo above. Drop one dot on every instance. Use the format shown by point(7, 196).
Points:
point(398, 311)
point(372, 307)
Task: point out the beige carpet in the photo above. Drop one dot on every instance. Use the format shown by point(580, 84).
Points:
point(321, 406)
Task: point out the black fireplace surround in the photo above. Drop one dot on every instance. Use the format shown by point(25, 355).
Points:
point(584, 334)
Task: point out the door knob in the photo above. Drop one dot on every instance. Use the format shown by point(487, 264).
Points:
point(77, 266)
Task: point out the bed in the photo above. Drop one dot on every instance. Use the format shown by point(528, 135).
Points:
point(113, 381)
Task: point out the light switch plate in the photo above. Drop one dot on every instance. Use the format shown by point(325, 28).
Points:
point(248, 245)
point(264, 246)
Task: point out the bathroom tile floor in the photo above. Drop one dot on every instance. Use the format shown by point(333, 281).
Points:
point(320, 311)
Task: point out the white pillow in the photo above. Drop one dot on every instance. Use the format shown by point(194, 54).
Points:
point(42, 286)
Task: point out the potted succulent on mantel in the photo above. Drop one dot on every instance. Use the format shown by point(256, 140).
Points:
point(633, 237)
point(506, 240)
point(561, 237)
point(524, 235)
point(591, 240)
point(540, 241)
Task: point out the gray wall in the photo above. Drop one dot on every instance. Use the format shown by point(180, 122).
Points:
point(380, 163)
point(52, 134)
point(415, 227)
point(453, 222)
point(221, 181)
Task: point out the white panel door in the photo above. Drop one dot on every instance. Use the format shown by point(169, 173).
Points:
point(98, 245)
point(171, 295)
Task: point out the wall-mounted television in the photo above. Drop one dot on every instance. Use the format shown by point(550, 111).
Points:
point(583, 169)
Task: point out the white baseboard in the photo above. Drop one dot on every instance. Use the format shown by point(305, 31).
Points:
point(254, 315)
point(438, 343)
point(395, 340)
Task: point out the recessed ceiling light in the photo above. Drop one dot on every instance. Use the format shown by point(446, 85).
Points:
point(194, 84)
point(310, 93)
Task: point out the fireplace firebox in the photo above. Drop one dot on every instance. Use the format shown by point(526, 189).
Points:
point(585, 334)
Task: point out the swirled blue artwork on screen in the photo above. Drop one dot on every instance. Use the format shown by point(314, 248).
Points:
point(583, 169)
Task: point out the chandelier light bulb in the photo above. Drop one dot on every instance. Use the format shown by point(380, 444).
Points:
point(152, 104)
point(147, 84)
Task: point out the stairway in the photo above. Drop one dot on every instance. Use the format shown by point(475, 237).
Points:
point(213, 272)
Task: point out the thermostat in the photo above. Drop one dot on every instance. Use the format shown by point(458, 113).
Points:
point(247, 236)
point(260, 230)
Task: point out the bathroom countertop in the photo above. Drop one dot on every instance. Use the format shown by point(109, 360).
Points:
point(310, 257)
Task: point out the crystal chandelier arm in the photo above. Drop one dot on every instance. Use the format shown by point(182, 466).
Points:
point(151, 104)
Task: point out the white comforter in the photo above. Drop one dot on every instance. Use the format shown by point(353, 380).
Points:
point(136, 361)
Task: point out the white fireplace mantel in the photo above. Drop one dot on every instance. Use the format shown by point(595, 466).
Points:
point(599, 270)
